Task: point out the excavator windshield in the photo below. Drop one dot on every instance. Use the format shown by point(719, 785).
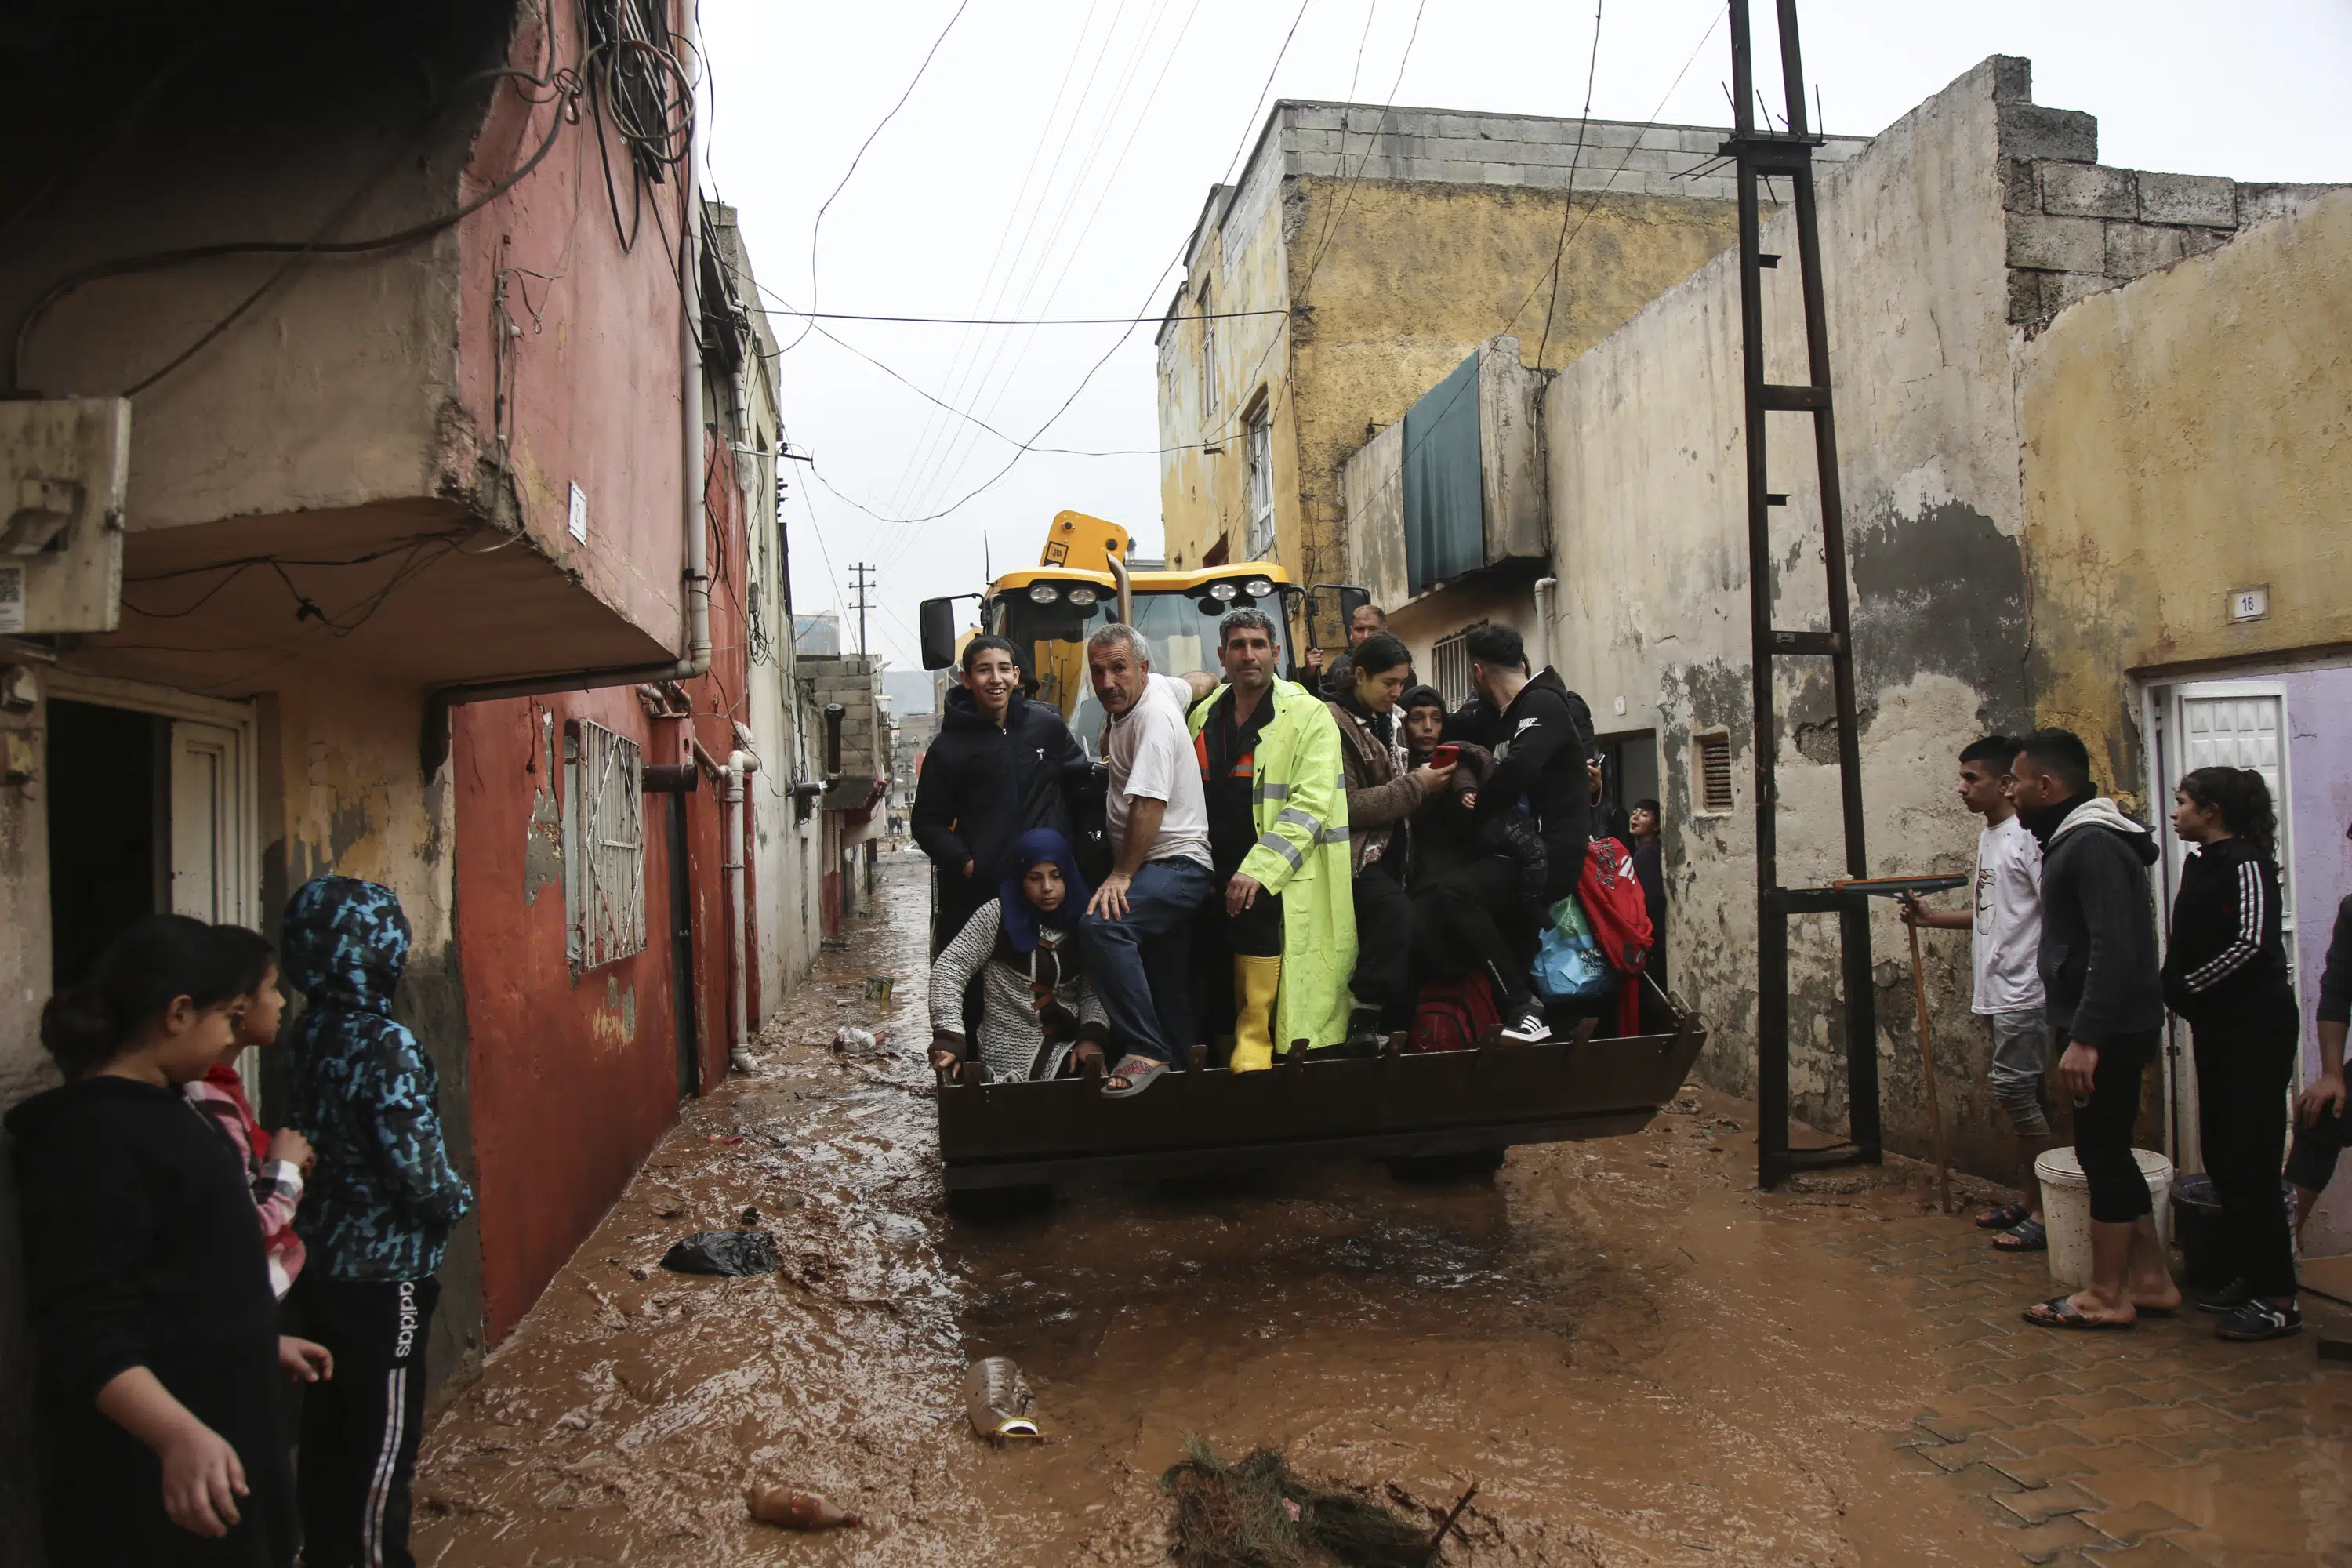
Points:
point(1179, 626)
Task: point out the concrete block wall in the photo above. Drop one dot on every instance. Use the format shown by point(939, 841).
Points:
point(851, 680)
point(2078, 227)
point(1359, 141)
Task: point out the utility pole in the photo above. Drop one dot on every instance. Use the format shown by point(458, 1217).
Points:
point(861, 583)
point(1763, 154)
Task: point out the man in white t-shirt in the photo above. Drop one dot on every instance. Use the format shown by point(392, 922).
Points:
point(1138, 928)
point(2005, 928)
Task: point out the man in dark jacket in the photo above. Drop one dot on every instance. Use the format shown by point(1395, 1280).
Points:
point(2105, 998)
point(377, 1212)
point(2320, 1127)
point(999, 766)
point(1543, 732)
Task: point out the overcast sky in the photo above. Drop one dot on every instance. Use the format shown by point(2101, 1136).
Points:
point(1054, 155)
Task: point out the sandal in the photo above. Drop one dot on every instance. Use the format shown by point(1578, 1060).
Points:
point(1140, 1073)
point(2060, 1312)
point(2027, 1235)
point(2006, 1217)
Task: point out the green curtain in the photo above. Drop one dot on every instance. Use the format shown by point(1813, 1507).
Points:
point(1445, 504)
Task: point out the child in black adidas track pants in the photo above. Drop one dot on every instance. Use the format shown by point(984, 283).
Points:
point(375, 1218)
point(359, 1432)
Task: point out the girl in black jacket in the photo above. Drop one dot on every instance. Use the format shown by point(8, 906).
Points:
point(999, 766)
point(149, 1289)
point(2225, 974)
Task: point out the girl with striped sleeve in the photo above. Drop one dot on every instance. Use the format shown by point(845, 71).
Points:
point(2225, 974)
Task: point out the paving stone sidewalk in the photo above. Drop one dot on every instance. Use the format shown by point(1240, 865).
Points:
point(2162, 1447)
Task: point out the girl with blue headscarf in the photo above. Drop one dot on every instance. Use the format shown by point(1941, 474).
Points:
point(1040, 1017)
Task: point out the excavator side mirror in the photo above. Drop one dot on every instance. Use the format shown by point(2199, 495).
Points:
point(937, 620)
point(1353, 599)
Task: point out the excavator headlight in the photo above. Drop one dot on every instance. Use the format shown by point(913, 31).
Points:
point(1084, 598)
point(1043, 593)
point(1223, 593)
point(1257, 587)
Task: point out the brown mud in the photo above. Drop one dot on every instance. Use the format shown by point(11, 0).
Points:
point(1639, 1359)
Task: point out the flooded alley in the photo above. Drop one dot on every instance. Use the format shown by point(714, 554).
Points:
point(1637, 1358)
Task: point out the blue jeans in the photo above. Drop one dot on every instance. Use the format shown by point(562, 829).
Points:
point(1141, 964)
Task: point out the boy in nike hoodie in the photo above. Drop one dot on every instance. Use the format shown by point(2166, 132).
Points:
point(2105, 998)
point(378, 1210)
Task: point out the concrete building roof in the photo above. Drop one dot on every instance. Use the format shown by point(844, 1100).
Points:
point(1370, 142)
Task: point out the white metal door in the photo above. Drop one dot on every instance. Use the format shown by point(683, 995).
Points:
point(2233, 724)
point(207, 827)
point(2203, 724)
point(210, 854)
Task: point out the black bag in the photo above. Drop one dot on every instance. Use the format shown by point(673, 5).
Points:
point(723, 1252)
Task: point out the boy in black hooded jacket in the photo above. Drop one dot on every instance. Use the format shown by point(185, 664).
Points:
point(2107, 1004)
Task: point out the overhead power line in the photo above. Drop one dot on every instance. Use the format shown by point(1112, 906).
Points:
point(1016, 321)
point(817, 228)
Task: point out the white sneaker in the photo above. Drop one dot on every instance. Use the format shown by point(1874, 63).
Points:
point(1531, 1030)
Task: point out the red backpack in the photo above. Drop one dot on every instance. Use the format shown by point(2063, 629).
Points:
point(1613, 904)
point(1455, 1015)
point(1612, 900)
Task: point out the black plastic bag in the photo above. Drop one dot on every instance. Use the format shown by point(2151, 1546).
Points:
point(723, 1252)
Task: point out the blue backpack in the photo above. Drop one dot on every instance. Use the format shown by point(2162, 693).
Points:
point(1570, 962)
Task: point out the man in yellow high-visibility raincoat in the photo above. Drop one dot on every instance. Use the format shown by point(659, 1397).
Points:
point(1272, 774)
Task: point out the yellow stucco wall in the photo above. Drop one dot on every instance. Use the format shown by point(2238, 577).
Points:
point(1404, 279)
point(2187, 435)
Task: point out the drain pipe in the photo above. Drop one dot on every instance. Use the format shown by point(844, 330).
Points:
point(740, 766)
point(693, 504)
point(1547, 589)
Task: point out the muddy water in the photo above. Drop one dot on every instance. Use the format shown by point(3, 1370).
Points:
point(1637, 1360)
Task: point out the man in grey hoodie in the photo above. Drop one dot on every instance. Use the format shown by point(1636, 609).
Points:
point(2105, 997)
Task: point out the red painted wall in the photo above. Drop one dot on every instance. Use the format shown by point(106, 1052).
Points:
point(586, 383)
point(574, 1081)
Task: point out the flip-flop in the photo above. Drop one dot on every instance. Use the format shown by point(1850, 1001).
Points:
point(2026, 1235)
point(1140, 1072)
point(2059, 1312)
point(2006, 1217)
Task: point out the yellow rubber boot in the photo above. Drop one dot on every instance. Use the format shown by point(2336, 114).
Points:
point(1256, 983)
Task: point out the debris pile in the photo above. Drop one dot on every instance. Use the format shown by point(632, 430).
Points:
point(1259, 1513)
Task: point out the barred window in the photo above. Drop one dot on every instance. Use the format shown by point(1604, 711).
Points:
point(603, 845)
point(1450, 667)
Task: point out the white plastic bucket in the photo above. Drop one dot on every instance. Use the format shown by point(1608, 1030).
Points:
point(2066, 1210)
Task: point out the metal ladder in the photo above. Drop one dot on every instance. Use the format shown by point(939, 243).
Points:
point(1789, 153)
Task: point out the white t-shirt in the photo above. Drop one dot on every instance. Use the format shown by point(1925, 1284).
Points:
point(1150, 755)
point(2007, 931)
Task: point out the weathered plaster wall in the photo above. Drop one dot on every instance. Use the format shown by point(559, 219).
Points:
point(590, 376)
point(1649, 531)
point(2187, 434)
point(1213, 372)
point(361, 381)
point(1401, 240)
point(340, 794)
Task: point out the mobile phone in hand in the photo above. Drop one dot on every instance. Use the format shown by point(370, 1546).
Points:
point(1446, 756)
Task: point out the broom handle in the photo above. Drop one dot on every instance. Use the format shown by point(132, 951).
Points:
point(1928, 1054)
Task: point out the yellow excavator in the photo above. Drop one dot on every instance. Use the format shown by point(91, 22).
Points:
point(1086, 578)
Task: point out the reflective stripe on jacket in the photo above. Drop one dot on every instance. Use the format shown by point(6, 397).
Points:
point(1299, 798)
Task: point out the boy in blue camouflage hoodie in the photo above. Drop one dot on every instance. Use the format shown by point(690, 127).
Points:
point(379, 1208)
